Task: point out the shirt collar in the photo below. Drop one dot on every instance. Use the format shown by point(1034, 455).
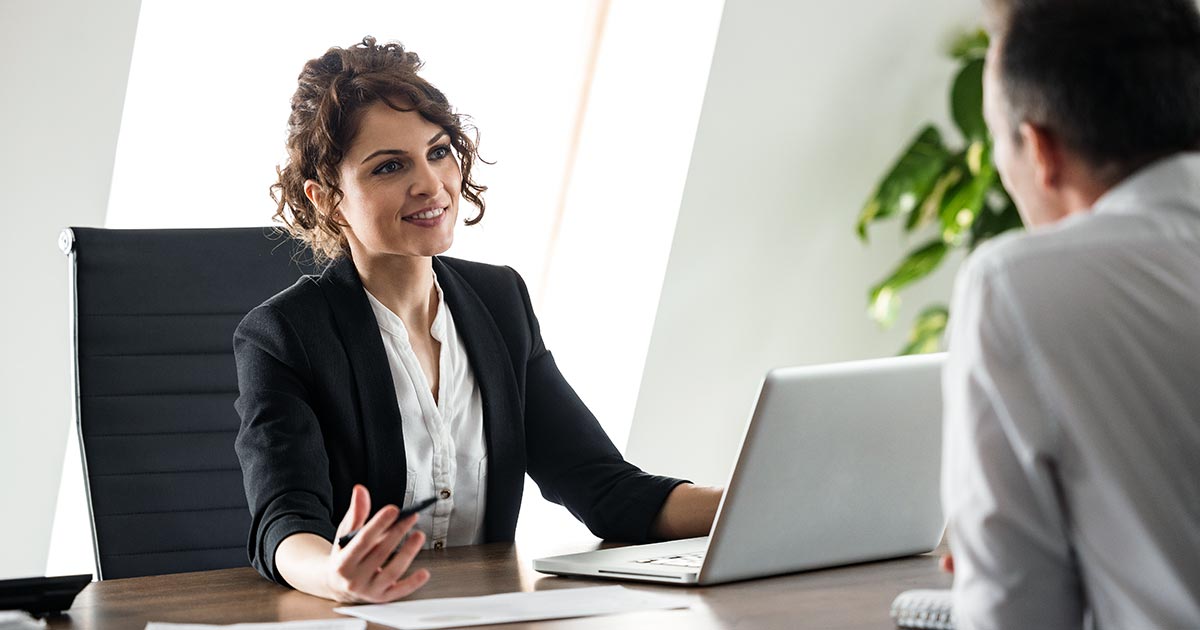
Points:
point(438, 328)
point(1171, 181)
point(391, 323)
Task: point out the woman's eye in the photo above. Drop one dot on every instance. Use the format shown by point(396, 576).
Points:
point(387, 167)
point(440, 152)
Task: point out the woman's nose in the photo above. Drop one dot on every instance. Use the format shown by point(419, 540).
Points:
point(426, 182)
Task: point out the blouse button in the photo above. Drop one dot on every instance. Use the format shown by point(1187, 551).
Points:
point(446, 494)
point(438, 545)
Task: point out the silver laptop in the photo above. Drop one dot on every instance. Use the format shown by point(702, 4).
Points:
point(839, 464)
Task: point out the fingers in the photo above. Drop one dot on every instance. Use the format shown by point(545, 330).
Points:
point(360, 507)
point(371, 583)
point(369, 568)
point(388, 543)
point(370, 535)
point(405, 587)
point(400, 560)
point(947, 563)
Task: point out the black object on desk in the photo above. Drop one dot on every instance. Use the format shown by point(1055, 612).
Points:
point(42, 595)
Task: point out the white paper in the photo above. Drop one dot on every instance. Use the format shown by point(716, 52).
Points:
point(457, 612)
point(311, 624)
point(19, 620)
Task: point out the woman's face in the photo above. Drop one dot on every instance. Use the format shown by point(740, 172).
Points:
point(401, 183)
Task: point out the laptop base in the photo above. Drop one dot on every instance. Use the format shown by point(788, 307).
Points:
point(622, 563)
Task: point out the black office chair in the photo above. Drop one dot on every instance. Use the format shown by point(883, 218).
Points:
point(153, 313)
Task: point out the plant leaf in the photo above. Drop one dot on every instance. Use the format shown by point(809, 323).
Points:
point(962, 208)
point(966, 101)
point(908, 182)
point(933, 202)
point(884, 300)
point(995, 218)
point(926, 333)
point(977, 154)
point(970, 45)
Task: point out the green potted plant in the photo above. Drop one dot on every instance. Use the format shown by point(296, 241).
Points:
point(948, 197)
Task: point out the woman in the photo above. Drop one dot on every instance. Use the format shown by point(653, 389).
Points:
point(405, 372)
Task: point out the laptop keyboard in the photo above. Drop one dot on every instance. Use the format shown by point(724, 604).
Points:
point(687, 560)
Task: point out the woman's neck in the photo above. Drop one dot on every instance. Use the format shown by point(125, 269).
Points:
point(404, 284)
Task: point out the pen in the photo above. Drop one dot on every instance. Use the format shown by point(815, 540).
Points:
point(405, 513)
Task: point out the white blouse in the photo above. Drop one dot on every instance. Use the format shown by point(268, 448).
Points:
point(443, 441)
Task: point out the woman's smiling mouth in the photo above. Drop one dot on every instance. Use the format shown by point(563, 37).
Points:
point(426, 218)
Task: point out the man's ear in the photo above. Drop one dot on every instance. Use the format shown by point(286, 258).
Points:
point(1045, 154)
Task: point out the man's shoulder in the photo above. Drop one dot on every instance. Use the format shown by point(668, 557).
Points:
point(998, 257)
point(1017, 247)
point(1048, 278)
point(1041, 278)
point(1061, 249)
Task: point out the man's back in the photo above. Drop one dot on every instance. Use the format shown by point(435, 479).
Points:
point(1075, 354)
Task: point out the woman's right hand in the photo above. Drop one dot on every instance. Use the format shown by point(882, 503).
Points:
point(371, 568)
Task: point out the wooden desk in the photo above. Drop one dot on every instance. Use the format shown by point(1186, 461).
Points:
point(848, 597)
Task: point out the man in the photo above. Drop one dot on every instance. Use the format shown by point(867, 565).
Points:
point(1071, 474)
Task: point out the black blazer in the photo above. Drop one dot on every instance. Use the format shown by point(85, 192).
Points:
point(319, 413)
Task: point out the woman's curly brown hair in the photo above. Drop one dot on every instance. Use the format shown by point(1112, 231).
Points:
point(334, 88)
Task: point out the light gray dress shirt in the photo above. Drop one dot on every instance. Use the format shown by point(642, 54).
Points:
point(1071, 467)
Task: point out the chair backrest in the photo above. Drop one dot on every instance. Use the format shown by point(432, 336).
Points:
point(153, 313)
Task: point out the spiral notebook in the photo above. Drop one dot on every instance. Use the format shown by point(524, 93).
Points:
point(923, 608)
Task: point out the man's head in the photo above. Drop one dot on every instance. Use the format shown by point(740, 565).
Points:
point(1078, 94)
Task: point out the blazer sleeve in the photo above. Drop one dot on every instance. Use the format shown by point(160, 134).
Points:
point(284, 464)
point(572, 459)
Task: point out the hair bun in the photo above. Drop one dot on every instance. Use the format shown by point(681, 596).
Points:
point(331, 62)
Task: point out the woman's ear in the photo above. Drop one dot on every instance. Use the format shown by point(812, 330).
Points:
point(317, 197)
point(315, 193)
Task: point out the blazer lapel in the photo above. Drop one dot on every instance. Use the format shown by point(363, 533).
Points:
point(503, 419)
point(379, 414)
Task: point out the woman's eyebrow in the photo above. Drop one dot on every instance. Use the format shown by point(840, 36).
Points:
point(380, 152)
point(384, 152)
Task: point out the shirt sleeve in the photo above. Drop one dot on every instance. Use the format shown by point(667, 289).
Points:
point(1014, 567)
point(572, 459)
point(279, 444)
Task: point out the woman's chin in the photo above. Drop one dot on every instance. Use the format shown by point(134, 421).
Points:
point(415, 250)
point(442, 246)
point(435, 249)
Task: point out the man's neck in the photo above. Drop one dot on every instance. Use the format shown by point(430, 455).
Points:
point(1082, 186)
point(1080, 201)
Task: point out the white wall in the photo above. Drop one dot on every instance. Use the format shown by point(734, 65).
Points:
point(64, 66)
point(807, 104)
